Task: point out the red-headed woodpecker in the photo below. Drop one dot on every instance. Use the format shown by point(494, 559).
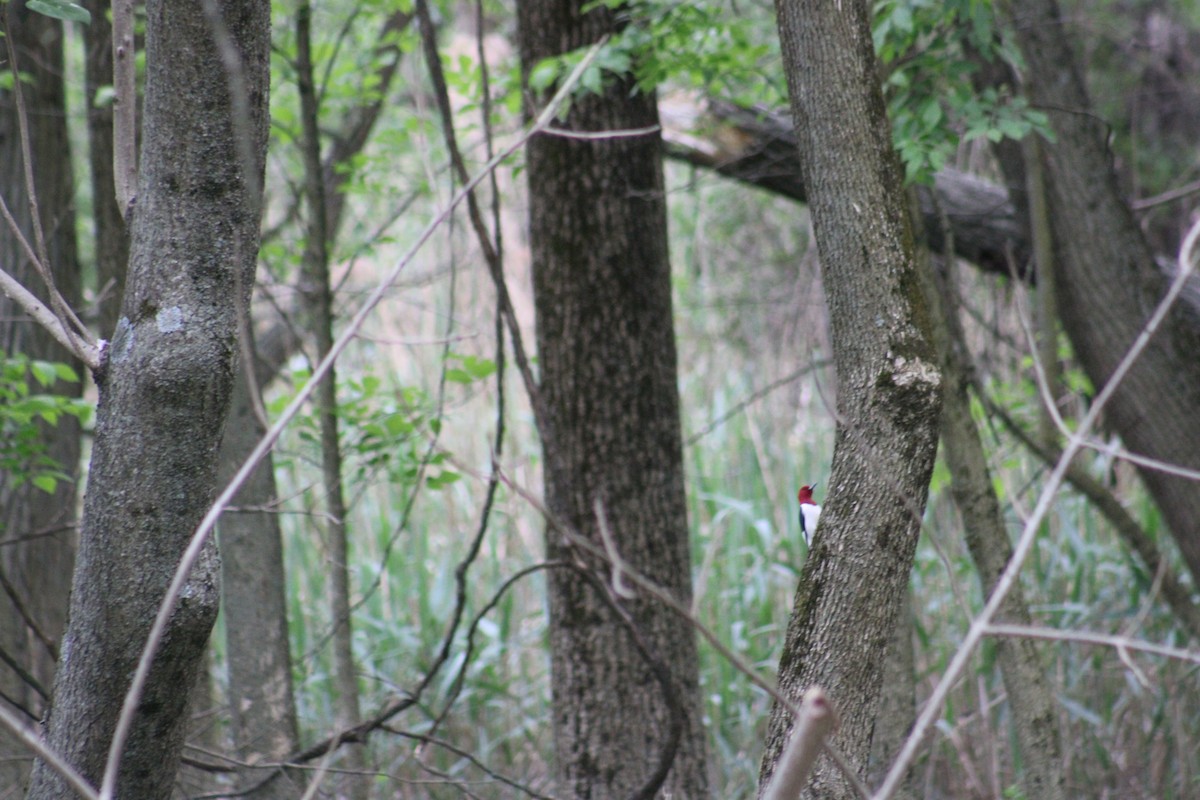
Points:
point(810, 512)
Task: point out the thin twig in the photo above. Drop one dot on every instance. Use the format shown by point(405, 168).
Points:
point(125, 164)
point(491, 256)
point(87, 352)
point(1120, 643)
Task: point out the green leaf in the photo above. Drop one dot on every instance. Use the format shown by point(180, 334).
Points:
point(105, 95)
point(442, 479)
point(61, 9)
point(47, 483)
point(544, 74)
point(44, 372)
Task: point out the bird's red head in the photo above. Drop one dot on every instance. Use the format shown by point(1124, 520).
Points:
point(805, 495)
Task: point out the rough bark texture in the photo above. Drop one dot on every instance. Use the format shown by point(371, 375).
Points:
point(1107, 282)
point(36, 527)
point(889, 386)
point(898, 705)
point(1030, 697)
point(612, 434)
point(163, 398)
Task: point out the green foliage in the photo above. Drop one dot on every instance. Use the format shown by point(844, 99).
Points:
point(385, 431)
point(703, 45)
point(60, 9)
point(24, 413)
point(927, 48)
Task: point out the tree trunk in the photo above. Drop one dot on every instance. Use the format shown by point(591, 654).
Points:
point(318, 301)
point(36, 559)
point(612, 433)
point(898, 704)
point(261, 697)
point(164, 393)
point(1108, 284)
point(261, 694)
point(888, 383)
point(1030, 697)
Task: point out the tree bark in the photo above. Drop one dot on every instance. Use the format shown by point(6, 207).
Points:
point(888, 382)
point(164, 393)
point(1108, 284)
point(36, 559)
point(612, 432)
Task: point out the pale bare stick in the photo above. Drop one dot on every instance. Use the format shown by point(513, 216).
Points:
point(980, 625)
point(814, 724)
point(1123, 644)
point(124, 106)
point(88, 353)
point(208, 523)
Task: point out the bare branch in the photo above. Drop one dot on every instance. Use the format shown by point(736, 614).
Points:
point(1123, 644)
point(812, 727)
point(88, 353)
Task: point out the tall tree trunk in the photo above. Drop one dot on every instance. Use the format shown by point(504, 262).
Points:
point(1107, 282)
point(888, 382)
point(164, 393)
point(36, 559)
point(602, 291)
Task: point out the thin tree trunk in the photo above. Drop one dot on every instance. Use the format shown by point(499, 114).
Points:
point(37, 527)
point(1030, 697)
point(612, 433)
point(888, 382)
point(261, 699)
point(319, 302)
point(164, 393)
point(253, 582)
